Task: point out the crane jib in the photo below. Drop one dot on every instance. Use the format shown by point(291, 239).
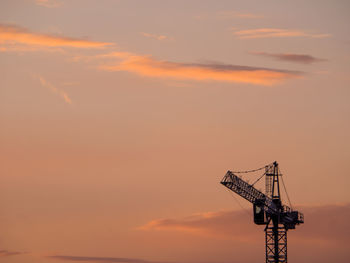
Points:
point(250, 193)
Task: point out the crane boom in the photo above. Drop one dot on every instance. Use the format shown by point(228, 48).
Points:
point(248, 191)
point(244, 189)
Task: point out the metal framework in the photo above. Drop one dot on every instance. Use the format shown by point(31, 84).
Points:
point(268, 210)
point(276, 244)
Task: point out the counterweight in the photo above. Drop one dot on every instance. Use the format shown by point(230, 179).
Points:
point(268, 210)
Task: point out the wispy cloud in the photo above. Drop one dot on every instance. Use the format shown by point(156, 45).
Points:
point(49, 3)
point(6, 253)
point(236, 14)
point(151, 67)
point(223, 224)
point(229, 14)
point(275, 33)
point(297, 58)
point(12, 37)
point(55, 90)
point(239, 225)
point(154, 36)
point(100, 259)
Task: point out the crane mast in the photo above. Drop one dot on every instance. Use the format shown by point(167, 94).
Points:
point(268, 210)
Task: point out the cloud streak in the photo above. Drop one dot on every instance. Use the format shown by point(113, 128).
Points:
point(151, 67)
point(12, 37)
point(55, 90)
point(100, 259)
point(230, 14)
point(48, 3)
point(275, 33)
point(153, 36)
point(326, 224)
point(223, 224)
point(6, 253)
point(236, 14)
point(296, 58)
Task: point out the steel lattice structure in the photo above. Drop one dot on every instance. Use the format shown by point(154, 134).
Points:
point(268, 210)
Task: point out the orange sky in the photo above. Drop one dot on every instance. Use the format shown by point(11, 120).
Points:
point(119, 119)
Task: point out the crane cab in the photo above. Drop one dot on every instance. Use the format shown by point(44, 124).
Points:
point(259, 212)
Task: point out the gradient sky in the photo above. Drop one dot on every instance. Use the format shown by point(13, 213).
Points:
point(119, 118)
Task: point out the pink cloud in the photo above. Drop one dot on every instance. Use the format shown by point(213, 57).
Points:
point(275, 33)
point(12, 37)
point(151, 67)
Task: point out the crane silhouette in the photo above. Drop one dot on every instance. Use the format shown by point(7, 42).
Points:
point(268, 209)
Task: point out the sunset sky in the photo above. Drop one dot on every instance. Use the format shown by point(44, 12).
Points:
point(119, 118)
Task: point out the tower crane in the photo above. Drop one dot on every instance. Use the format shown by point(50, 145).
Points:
point(268, 209)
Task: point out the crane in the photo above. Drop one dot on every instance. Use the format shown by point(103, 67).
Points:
point(268, 209)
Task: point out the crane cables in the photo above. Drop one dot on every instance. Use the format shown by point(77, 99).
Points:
point(234, 197)
point(252, 171)
point(257, 180)
point(285, 189)
point(249, 171)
